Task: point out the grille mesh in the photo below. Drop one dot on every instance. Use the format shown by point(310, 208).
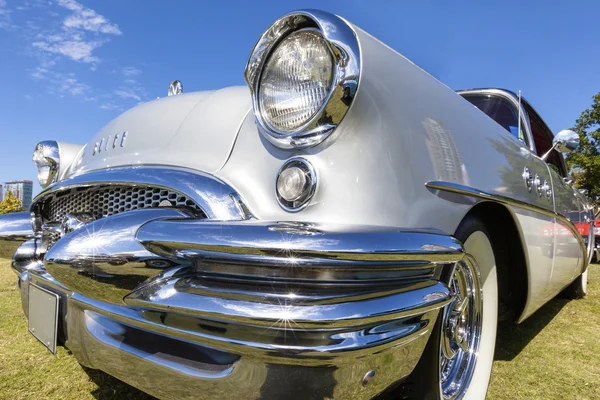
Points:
point(108, 200)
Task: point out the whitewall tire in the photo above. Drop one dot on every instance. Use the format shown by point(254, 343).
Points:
point(479, 247)
point(457, 361)
point(578, 288)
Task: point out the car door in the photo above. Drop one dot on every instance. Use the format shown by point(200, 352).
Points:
point(586, 225)
point(568, 254)
point(569, 251)
point(529, 181)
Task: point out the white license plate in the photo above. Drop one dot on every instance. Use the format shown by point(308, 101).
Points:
point(43, 316)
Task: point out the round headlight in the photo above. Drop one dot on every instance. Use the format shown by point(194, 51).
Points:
point(46, 158)
point(303, 74)
point(296, 184)
point(296, 81)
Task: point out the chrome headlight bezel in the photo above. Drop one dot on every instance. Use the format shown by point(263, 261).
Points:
point(49, 156)
point(344, 47)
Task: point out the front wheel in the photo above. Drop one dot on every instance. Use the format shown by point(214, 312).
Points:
point(457, 361)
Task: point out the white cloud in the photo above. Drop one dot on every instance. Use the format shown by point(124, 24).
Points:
point(131, 88)
point(76, 50)
point(127, 93)
point(109, 106)
point(130, 71)
point(87, 19)
point(71, 41)
point(61, 83)
point(27, 5)
point(71, 85)
point(39, 73)
point(70, 33)
point(5, 18)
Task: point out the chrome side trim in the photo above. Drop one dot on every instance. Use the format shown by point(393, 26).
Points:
point(472, 192)
point(345, 49)
point(217, 199)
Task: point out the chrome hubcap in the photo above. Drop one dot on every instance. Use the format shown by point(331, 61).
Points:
point(461, 330)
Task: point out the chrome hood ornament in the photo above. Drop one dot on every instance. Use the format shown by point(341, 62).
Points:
point(175, 88)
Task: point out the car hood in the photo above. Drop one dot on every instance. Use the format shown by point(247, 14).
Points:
point(193, 130)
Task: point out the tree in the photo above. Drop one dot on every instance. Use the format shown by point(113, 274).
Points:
point(585, 161)
point(10, 204)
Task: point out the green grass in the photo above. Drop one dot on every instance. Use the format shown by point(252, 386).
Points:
point(29, 371)
point(553, 355)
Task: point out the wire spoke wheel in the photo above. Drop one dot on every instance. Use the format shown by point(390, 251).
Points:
point(461, 330)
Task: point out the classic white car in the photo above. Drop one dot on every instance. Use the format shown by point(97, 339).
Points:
point(344, 227)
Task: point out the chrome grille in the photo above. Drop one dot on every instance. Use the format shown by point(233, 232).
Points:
point(108, 200)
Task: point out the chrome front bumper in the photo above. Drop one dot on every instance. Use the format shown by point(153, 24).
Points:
point(15, 228)
point(188, 308)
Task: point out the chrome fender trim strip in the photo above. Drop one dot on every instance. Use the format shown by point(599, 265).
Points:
point(478, 194)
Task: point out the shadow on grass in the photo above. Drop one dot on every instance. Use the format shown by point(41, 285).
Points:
point(513, 338)
point(112, 388)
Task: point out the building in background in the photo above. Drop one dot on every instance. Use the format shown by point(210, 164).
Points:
point(1, 193)
point(21, 190)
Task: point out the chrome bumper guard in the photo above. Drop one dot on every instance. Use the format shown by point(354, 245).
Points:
point(182, 308)
point(15, 228)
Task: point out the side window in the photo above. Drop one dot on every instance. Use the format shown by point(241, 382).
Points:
point(500, 110)
point(574, 217)
point(542, 136)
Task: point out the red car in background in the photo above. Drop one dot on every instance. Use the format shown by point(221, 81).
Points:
point(583, 225)
point(596, 237)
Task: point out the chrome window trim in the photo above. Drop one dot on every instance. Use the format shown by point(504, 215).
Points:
point(344, 46)
point(217, 199)
point(512, 97)
point(526, 104)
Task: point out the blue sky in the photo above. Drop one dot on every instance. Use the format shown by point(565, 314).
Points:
point(67, 67)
